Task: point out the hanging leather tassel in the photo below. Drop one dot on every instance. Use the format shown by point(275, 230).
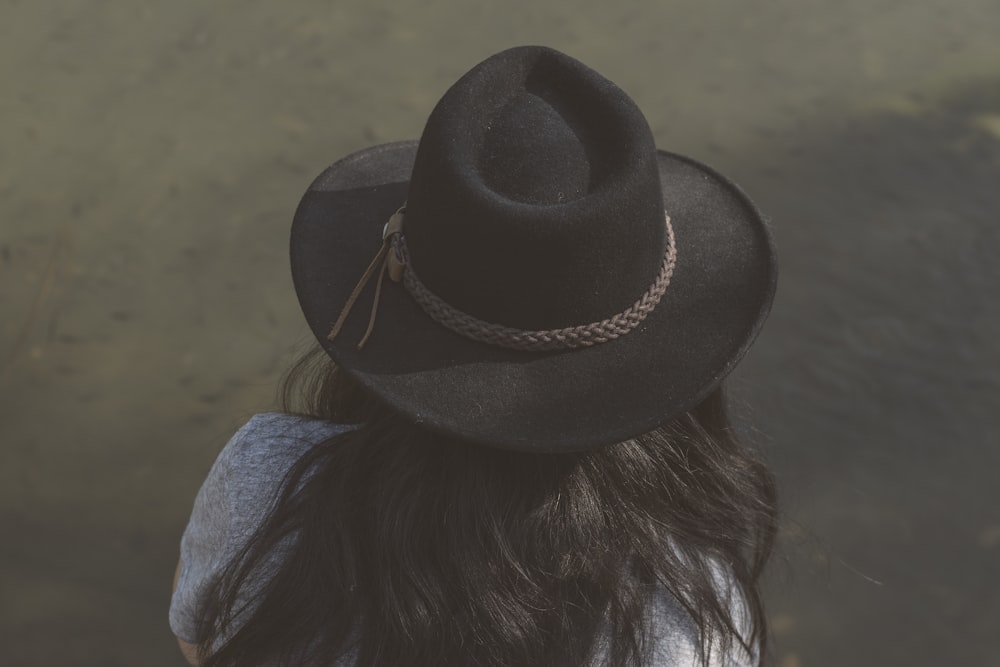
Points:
point(386, 260)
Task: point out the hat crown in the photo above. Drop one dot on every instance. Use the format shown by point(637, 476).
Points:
point(535, 200)
point(531, 154)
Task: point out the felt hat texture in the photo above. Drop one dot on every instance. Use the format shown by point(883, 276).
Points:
point(535, 199)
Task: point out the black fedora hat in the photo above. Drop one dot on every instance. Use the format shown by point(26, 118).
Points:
point(557, 282)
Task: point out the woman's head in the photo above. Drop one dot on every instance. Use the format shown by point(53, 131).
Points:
point(547, 279)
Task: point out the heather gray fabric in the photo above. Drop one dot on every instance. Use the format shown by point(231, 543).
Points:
point(240, 489)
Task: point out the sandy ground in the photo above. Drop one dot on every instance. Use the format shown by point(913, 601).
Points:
point(152, 155)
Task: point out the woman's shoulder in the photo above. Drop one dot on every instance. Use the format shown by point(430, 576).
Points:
point(256, 459)
point(270, 437)
point(283, 425)
point(234, 499)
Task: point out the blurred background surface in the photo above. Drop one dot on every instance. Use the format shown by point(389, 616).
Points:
point(152, 155)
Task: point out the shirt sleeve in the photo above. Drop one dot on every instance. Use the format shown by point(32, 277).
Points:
point(204, 544)
point(676, 638)
point(233, 501)
point(734, 596)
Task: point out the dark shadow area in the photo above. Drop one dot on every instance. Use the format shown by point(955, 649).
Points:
point(877, 382)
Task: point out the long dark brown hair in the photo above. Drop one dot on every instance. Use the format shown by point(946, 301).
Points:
point(414, 549)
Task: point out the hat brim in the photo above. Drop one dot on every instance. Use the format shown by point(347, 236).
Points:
point(719, 296)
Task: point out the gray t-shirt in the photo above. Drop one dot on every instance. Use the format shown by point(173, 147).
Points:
point(241, 488)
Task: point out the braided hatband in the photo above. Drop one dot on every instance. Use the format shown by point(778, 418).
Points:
point(568, 338)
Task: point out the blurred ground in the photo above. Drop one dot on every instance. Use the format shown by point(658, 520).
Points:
point(879, 388)
point(152, 156)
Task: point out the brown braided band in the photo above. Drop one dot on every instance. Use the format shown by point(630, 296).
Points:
point(568, 338)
